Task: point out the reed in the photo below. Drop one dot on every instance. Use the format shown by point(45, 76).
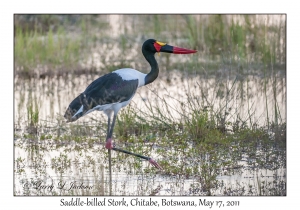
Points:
point(61, 49)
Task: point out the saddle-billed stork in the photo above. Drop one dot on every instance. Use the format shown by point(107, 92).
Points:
point(115, 90)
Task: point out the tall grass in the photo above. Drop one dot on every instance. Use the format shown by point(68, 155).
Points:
point(256, 38)
point(36, 52)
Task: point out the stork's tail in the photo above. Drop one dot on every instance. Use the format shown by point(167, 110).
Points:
point(75, 109)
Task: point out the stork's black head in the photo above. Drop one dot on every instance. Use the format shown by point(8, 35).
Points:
point(151, 46)
point(148, 46)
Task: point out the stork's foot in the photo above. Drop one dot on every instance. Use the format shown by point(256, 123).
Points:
point(109, 144)
point(154, 163)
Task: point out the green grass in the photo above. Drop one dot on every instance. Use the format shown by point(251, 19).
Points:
point(193, 147)
point(64, 45)
point(201, 158)
point(53, 52)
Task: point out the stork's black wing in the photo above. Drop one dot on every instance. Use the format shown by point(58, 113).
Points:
point(108, 89)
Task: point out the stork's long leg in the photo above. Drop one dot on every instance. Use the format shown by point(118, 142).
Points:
point(108, 126)
point(152, 161)
point(109, 146)
point(109, 155)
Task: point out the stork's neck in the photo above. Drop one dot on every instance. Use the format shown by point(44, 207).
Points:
point(154, 68)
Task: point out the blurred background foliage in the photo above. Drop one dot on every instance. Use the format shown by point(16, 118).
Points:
point(58, 44)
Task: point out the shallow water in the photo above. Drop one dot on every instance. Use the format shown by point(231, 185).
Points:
point(52, 171)
point(53, 96)
point(247, 97)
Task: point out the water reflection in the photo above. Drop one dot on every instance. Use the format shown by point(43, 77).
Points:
point(85, 172)
point(249, 98)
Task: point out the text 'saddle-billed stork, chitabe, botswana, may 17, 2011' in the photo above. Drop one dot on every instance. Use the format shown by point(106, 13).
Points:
point(115, 90)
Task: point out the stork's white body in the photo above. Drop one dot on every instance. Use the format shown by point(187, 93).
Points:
point(127, 74)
